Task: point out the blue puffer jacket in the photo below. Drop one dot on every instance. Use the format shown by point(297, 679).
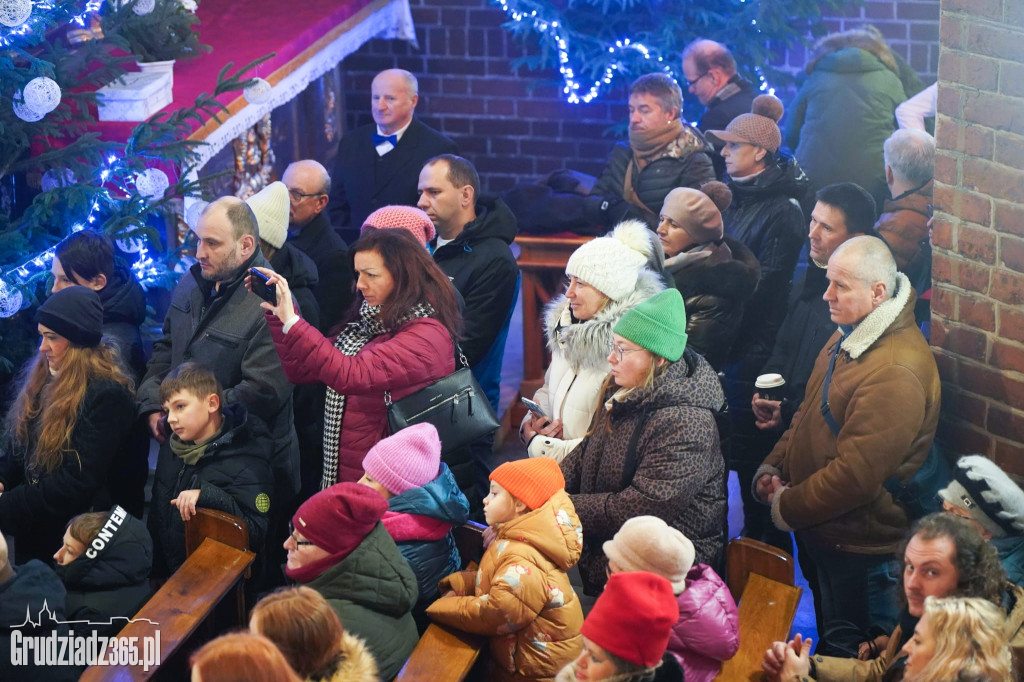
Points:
point(420, 522)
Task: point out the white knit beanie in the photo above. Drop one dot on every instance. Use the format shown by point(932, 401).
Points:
point(982, 489)
point(647, 543)
point(271, 206)
point(611, 264)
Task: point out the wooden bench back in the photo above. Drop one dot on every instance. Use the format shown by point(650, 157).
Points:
point(470, 541)
point(178, 608)
point(765, 613)
point(216, 525)
point(745, 556)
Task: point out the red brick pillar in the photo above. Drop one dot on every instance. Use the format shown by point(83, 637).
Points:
point(978, 237)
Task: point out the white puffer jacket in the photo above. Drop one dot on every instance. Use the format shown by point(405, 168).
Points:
point(579, 365)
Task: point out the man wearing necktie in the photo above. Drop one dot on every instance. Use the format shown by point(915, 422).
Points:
point(378, 164)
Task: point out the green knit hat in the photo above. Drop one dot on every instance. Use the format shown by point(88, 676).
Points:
point(658, 324)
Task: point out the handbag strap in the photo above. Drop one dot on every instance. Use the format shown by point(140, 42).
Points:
point(826, 411)
point(631, 463)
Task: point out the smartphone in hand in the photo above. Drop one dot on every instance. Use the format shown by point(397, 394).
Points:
point(258, 282)
point(534, 407)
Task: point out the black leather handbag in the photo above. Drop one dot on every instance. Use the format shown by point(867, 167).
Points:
point(455, 405)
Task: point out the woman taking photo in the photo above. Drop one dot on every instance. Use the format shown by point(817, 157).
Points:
point(607, 277)
point(71, 420)
point(398, 338)
point(653, 446)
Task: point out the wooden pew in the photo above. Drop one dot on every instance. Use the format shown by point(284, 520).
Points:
point(178, 608)
point(229, 530)
point(766, 613)
point(745, 556)
point(470, 541)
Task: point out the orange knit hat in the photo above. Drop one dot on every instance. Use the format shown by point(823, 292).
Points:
point(533, 480)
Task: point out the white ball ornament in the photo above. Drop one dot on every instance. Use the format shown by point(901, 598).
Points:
point(15, 12)
point(144, 7)
point(258, 92)
point(10, 299)
point(54, 178)
point(131, 245)
point(152, 183)
point(190, 5)
point(193, 212)
point(41, 94)
point(25, 113)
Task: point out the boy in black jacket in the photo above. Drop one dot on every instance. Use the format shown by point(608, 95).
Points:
point(217, 457)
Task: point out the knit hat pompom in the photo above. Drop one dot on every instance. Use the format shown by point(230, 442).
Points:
point(271, 207)
point(402, 217)
point(658, 325)
point(987, 493)
point(408, 459)
point(647, 543)
point(612, 264)
point(768, 105)
point(532, 481)
point(633, 618)
point(719, 193)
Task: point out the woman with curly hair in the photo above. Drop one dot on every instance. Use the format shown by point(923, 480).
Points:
point(68, 428)
point(300, 622)
point(958, 640)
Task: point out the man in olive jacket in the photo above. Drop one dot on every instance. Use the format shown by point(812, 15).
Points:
point(215, 321)
point(826, 482)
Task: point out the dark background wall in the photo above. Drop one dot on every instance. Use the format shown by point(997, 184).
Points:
point(514, 132)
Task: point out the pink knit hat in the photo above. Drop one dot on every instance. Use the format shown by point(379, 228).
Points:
point(404, 217)
point(409, 459)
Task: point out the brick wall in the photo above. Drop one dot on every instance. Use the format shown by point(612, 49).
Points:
point(513, 133)
point(978, 321)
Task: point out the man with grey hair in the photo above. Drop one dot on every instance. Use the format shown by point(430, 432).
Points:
point(378, 164)
point(909, 169)
point(663, 153)
point(869, 414)
point(710, 72)
point(214, 320)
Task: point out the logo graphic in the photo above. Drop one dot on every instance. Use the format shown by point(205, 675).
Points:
point(263, 502)
point(61, 646)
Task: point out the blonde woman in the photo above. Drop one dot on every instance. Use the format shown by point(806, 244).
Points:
point(68, 428)
point(607, 276)
point(958, 639)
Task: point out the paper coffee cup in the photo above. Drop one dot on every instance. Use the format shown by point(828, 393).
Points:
point(770, 386)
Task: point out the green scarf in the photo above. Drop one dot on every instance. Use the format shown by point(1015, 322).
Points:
point(190, 452)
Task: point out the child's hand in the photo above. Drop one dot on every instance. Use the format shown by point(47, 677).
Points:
point(186, 503)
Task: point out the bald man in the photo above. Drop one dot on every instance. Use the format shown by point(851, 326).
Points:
point(378, 164)
point(868, 416)
point(309, 230)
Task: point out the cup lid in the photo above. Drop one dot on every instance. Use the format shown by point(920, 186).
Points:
point(769, 381)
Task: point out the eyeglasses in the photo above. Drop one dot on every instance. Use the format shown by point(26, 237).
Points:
point(690, 84)
point(619, 350)
point(298, 542)
point(297, 196)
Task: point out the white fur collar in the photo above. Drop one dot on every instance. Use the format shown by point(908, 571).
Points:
point(878, 320)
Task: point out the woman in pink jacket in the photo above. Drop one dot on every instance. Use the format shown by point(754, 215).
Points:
point(398, 338)
point(708, 629)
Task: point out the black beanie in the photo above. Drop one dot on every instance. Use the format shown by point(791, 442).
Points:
point(75, 313)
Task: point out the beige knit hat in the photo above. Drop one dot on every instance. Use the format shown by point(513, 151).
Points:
point(647, 543)
point(270, 205)
point(759, 128)
point(696, 213)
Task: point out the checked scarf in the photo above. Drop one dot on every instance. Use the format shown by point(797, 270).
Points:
point(350, 341)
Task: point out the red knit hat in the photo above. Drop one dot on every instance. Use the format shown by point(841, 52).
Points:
point(336, 520)
point(633, 617)
point(532, 481)
point(403, 217)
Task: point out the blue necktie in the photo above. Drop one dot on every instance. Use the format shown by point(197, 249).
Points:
point(381, 139)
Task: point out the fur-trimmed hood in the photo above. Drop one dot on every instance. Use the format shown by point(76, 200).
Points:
point(585, 344)
point(867, 39)
point(357, 665)
point(730, 272)
point(878, 320)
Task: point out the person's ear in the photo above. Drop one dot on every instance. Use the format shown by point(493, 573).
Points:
point(248, 244)
point(321, 202)
point(97, 283)
point(889, 177)
point(759, 153)
point(521, 507)
point(212, 403)
point(878, 294)
point(468, 196)
point(414, 98)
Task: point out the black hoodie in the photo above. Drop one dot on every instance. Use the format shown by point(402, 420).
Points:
point(33, 585)
point(124, 311)
point(110, 579)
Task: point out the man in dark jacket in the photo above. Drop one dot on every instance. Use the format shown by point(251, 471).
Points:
point(213, 319)
point(377, 163)
point(311, 232)
point(710, 72)
point(662, 153)
point(105, 565)
point(472, 248)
